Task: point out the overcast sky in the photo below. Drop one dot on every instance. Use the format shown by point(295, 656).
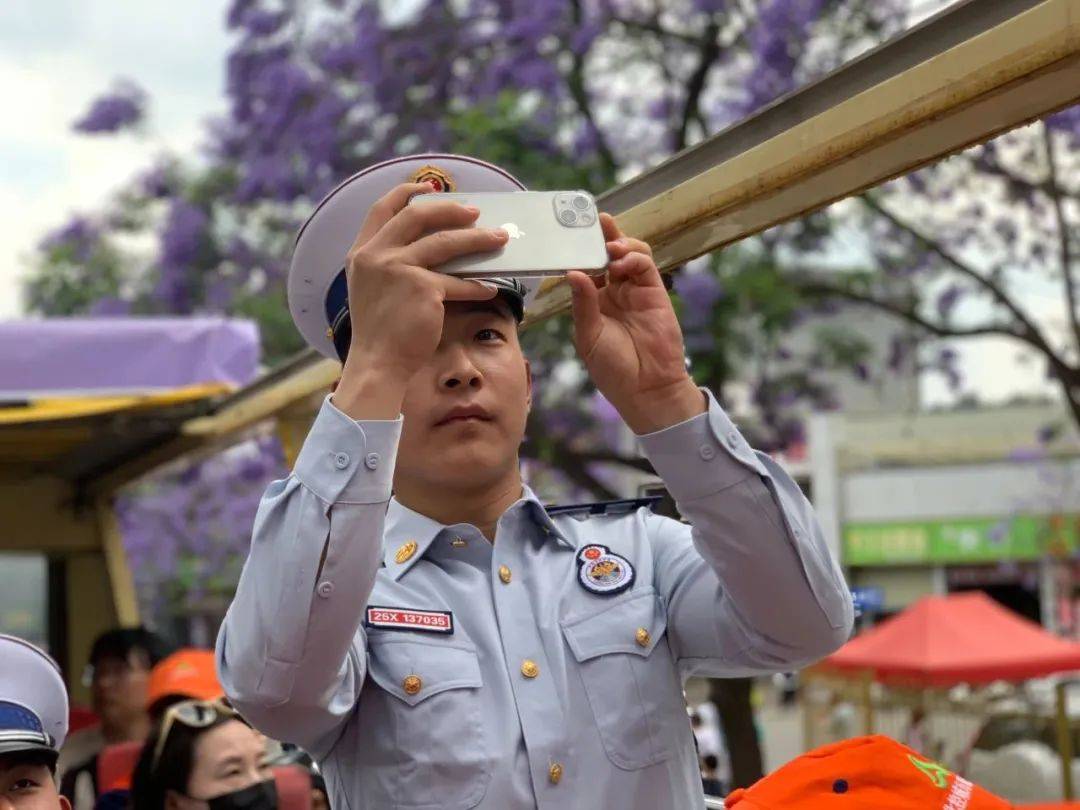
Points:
point(57, 55)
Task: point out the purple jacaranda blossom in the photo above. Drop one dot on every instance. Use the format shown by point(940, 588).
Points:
point(900, 349)
point(779, 34)
point(947, 363)
point(238, 10)
point(1047, 433)
point(1027, 454)
point(947, 301)
point(585, 35)
point(186, 532)
point(610, 422)
point(121, 108)
point(183, 242)
point(711, 6)
point(110, 307)
point(698, 291)
point(80, 237)
point(262, 23)
point(157, 182)
point(1067, 121)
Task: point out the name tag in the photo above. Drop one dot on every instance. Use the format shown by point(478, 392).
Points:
point(428, 621)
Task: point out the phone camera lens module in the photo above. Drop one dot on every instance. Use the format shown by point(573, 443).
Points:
point(581, 202)
point(567, 217)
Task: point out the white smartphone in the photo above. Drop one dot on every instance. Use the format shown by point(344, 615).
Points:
point(551, 232)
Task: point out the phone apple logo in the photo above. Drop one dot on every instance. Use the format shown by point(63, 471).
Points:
point(512, 230)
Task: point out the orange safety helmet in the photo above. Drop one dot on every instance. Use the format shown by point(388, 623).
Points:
point(866, 773)
point(186, 674)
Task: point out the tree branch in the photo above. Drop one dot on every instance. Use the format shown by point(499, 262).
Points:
point(1030, 333)
point(576, 84)
point(1054, 190)
point(574, 463)
point(1067, 376)
point(819, 288)
point(708, 53)
point(653, 27)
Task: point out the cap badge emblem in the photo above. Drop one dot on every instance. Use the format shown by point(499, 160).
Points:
point(439, 178)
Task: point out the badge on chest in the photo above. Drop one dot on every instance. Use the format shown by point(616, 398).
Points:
point(426, 621)
point(603, 572)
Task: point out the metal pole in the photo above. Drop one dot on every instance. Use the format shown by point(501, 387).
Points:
point(1064, 731)
point(868, 701)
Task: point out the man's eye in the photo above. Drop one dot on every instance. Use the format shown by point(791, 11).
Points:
point(488, 334)
point(25, 784)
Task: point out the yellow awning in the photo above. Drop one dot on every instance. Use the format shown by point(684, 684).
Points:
point(48, 410)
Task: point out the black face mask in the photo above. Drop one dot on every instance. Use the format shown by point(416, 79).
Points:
point(260, 796)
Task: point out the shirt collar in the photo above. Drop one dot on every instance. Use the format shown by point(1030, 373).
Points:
point(409, 534)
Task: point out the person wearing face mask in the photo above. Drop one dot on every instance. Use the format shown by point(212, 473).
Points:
point(203, 756)
point(33, 724)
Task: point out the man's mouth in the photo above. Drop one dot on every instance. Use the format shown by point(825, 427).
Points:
point(464, 414)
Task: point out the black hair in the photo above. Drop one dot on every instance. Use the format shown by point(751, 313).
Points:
point(710, 761)
point(122, 642)
point(152, 781)
point(33, 757)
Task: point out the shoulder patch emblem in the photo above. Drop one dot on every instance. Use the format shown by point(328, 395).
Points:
point(603, 572)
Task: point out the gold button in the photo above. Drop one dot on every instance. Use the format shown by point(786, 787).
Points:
point(642, 637)
point(504, 574)
point(555, 773)
point(529, 668)
point(405, 552)
point(412, 684)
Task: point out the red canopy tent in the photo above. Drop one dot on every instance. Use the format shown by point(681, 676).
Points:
point(959, 638)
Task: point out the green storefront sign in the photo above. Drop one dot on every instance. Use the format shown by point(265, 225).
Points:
point(1020, 537)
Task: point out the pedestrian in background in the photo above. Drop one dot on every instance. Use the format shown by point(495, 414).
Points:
point(33, 725)
point(203, 756)
point(118, 674)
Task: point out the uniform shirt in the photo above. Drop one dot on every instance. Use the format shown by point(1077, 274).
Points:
point(546, 693)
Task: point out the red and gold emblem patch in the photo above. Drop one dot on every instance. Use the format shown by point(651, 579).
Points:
point(439, 178)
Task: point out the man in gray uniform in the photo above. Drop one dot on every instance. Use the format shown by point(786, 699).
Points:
point(409, 611)
point(33, 724)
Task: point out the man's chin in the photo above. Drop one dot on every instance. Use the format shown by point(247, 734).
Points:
point(468, 463)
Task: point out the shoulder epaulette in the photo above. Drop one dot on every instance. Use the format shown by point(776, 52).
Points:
point(604, 507)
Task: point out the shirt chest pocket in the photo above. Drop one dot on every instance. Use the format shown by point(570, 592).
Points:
point(426, 746)
point(630, 678)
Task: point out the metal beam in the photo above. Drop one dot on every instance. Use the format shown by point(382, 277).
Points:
point(976, 70)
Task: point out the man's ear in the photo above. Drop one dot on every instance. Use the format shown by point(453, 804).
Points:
point(528, 385)
point(63, 800)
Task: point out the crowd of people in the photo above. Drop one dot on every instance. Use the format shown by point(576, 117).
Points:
point(168, 739)
point(165, 736)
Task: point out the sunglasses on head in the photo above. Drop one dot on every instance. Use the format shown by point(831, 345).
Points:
point(193, 714)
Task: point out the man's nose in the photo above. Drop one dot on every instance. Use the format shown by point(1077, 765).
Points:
point(459, 370)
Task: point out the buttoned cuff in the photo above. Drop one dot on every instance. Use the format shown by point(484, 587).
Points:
point(349, 461)
point(701, 456)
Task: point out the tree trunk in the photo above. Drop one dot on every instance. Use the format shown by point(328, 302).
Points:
point(732, 698)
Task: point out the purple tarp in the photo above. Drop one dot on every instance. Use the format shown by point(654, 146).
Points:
point(69, 356)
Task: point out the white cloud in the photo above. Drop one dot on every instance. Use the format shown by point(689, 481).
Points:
point(55, 57)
